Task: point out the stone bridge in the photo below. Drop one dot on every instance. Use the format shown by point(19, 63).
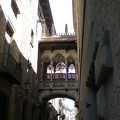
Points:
point(59, 88)
point(57, 71)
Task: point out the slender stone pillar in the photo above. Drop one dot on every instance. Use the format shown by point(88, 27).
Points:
point(51, 70)
point(66, 63)
point(76, 69)
point(41, 70)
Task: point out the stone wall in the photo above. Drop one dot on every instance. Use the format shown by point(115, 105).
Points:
point(101, 24)
point(22, 50)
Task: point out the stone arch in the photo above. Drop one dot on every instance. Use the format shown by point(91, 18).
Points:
point(70, 59)
point(47, 97)
point(56, 53)
point(58, 58)
point(59, 94)
point(71, 94)
point(45, 61)
point(71, 67)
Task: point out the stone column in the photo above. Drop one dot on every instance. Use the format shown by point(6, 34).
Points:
point(76, 69)
point(66, 63)
point(41, 70)
point(51, 70)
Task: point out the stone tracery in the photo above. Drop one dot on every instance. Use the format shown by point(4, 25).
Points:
point(59, 68)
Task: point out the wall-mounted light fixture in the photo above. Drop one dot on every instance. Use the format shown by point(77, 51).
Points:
point(27, 82)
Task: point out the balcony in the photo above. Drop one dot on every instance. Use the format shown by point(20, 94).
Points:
point(10, 69)
point(58, 85)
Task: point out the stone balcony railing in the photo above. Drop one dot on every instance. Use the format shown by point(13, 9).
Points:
point(66, 34)
point(58, 85)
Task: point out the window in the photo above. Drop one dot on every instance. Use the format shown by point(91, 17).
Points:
point(32, 38)
point(50, 71)
point(9, 29)
point(57, 73)
point(60, 71)
point(71, 72)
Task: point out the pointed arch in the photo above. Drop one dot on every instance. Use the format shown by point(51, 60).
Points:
point(46, 62)
point(60, 71)
point(45, 59)
point(59, 66)
point(58, 58)
point(70, 59)
point(71, 68)
point(50, 71)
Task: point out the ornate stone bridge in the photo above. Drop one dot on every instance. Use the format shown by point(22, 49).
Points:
point(59, 88)
point(57, 69)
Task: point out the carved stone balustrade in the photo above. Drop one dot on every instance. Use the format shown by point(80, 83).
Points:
point(58, 85)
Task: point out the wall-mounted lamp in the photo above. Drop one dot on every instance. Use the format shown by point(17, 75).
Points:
point(27, 84)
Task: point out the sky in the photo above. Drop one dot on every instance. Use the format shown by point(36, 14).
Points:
point(62, 14)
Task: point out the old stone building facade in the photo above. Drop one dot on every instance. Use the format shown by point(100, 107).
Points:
point(97, 28)
point(20, 30)
point(34, 70)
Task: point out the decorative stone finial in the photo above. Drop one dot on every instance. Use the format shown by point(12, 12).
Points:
point(66, 29)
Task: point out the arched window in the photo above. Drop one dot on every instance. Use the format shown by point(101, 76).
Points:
point(50, 71)
point(60, 71)
point(44, 67)
point(71, 72)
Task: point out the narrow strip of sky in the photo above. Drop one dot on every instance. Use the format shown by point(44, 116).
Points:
point(62, 14)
